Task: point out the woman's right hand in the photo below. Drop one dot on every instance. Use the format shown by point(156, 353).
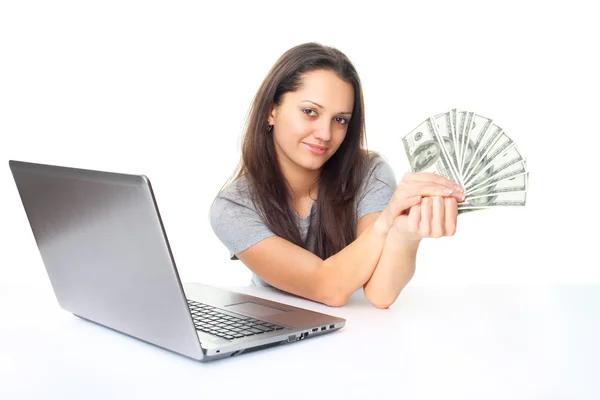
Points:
point(412, 188)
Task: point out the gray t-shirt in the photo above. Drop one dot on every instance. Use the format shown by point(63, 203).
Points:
point(238, 226)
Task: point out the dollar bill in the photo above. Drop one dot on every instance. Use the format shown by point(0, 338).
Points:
point(510, 199)
point(453, 125)
point(468, 210)
point(465, 141)
point(425, 152)
point(443, 128)
point(476, 132)
point(461, 117)
point(516, 183)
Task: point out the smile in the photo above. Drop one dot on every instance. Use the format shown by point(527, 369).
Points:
point(318, 150)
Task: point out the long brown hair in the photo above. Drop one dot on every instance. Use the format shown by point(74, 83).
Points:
point(340, 176)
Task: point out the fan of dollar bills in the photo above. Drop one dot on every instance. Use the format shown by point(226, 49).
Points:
point(473, 151)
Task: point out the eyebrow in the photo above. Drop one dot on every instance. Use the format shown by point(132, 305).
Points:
point(317, 104)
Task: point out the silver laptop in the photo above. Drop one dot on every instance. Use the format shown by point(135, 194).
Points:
point(107, 256)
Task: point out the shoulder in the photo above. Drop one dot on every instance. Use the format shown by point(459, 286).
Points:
point(378, 170)
point(237, 192)
point(234, 219)
point(377, 187)
point(233, 200)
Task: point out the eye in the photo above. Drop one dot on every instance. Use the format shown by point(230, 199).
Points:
point(341, 120)
point(309, 111)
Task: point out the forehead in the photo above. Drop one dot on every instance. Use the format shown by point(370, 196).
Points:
point(327, 89)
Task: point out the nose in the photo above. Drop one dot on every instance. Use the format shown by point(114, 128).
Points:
point(323, 130)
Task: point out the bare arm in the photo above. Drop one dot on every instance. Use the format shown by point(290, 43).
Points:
point(432, 217)
point(298, 271)
point(395, 269)
point(332, 281)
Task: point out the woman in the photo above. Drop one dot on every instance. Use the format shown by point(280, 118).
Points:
point(312, 212)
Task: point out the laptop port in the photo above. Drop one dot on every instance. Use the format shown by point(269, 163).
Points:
point(315, 329)
point(331, 326)
point(323, 328)
point(305, 334)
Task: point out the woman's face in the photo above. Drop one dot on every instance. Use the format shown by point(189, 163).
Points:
point(310, 124)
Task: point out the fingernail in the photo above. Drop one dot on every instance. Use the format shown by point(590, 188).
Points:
point(458, 188)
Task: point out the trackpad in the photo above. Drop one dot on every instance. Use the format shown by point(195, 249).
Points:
point(254, 309)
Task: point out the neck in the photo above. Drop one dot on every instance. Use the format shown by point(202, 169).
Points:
point(303, 183)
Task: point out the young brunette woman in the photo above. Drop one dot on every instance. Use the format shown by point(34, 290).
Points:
point(310, 210)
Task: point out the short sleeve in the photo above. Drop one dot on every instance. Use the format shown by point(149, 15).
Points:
point(238, 226)
point(377, 189)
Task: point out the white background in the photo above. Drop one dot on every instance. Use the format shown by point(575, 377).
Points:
point(163, 88)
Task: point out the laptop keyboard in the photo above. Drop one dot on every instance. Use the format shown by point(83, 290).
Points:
point(221, 323)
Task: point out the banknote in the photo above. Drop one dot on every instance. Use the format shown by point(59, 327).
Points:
point(425, 151)
point(468, 210)
point(516, 183)
point(443, 128)
point(480, 129)
point(510, 199)
point(464, 152)
point(461, 119)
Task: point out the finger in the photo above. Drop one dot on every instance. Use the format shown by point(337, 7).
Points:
point(414, 217)
point(451, 212)
point(437, 219)
point(399, 205)
point(430, 190)
point(425, 189)
point(425, 223)
point(431, 177)
point(414, 193)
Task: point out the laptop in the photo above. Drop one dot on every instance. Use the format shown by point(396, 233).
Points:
point(108, 259)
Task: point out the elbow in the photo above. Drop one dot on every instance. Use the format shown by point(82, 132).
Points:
point(334, 299)
point(331, 293)
point(382, 305)
point(379, 300)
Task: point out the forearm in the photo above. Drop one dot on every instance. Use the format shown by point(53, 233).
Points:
point(347, 271)
point(394, 270)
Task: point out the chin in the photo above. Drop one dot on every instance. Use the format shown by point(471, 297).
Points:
point(313, 165)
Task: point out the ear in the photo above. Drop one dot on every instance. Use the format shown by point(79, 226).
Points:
point(272, 115)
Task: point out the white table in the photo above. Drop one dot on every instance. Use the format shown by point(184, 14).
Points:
point(471, 342)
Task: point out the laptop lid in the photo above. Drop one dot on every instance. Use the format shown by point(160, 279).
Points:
point(106, 253)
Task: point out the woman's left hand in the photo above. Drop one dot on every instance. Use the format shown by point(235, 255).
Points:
point(433, 217)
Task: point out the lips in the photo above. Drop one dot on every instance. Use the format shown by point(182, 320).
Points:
point(314, 146)
point(315, 150)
